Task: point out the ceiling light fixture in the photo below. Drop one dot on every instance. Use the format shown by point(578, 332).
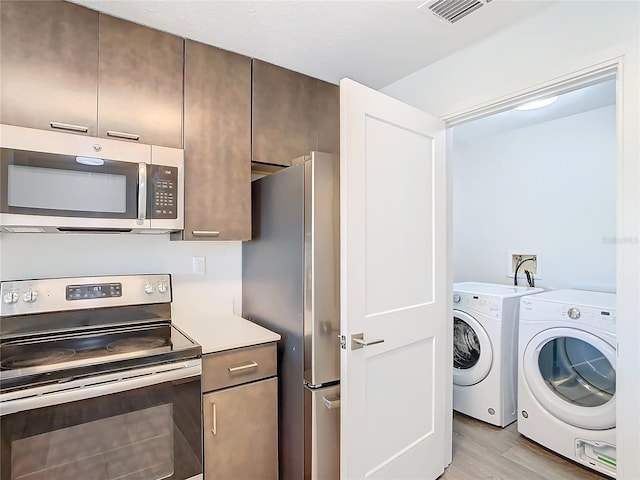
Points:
point(92, 162)
point(545, 102)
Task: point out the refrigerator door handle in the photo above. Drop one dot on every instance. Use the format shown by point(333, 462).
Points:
point(357, 341)
point(331, 402)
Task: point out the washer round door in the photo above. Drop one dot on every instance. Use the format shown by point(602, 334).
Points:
point(472, 352)
point(572, 374)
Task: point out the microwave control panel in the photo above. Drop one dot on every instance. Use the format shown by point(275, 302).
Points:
point(164, 196)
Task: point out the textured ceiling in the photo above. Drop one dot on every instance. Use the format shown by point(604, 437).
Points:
point(372, 42)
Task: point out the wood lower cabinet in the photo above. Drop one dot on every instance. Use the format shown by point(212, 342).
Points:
point(49, 74)
point(139, 83)
point(240, 414)
point(240, 432)
point(217, 144)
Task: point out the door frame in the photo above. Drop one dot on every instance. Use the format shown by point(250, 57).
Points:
point(627, 229)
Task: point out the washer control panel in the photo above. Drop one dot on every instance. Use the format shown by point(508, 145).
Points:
point(485, 304)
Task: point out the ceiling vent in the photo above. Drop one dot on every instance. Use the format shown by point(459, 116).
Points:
point(451, 10)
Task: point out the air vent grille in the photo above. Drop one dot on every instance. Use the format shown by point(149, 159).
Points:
point(452, 10)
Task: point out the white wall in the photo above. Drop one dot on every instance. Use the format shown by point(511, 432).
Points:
point(566, 38)
point(548, 189)
point(195, 297)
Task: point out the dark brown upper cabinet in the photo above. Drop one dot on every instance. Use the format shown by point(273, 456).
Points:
point(69, 68)
point(291, 112)
point(139, 83)
point(217, 144)
point(49, 74)
point(328, 111)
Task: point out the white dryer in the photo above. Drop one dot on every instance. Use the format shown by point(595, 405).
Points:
point(567, 375)
point(485, 339)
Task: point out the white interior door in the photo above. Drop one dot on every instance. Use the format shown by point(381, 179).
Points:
point(396, 402)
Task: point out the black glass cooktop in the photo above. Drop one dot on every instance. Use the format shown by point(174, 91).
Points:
point(59, 357)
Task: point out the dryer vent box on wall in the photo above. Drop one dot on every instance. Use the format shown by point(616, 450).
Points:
point(451, 10)
point(527, 261)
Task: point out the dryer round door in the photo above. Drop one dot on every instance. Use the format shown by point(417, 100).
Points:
point(472, 352)
point(572, 374)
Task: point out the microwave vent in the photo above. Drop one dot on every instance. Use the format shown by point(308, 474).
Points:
point(451, 10)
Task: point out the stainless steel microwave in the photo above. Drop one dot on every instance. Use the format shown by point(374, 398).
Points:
point(60, 182)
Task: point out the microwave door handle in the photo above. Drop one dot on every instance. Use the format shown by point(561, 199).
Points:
point(142, 191)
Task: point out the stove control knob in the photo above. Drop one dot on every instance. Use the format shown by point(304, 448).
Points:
point(10, 297)
point(162, 287)
point(148, 289)
point(30, 296)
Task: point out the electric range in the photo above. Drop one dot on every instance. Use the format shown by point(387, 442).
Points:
point(85, 364)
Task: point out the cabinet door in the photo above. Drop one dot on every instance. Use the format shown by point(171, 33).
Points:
point(217, 151)
point(241, 432)
point(284, 114)
point(140, 83)
point(49, 76)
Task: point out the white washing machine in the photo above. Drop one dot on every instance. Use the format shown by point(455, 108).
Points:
point(567, 375)
point(485, 339)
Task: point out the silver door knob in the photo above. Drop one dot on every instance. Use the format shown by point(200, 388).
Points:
point(357, 341)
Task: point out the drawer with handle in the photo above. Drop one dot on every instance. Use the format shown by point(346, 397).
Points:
point(241, 365)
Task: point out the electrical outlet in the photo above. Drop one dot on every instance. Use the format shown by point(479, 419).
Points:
point(527, 261)
point(199, 265)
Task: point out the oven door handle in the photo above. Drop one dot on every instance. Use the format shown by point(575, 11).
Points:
point(84, 388)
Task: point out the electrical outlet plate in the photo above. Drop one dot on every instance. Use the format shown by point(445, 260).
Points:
point(199, 265)
point(532, 265)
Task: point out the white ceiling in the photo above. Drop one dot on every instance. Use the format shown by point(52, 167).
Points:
point(372, 42)
point(571, 103)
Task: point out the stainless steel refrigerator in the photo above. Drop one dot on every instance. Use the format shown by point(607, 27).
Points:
point(290, 284)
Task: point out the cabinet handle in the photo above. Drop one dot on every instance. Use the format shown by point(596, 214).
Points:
point(68, 126)
point(214, 426)
point(242, 367)
point(128, 136)
point(205, 233)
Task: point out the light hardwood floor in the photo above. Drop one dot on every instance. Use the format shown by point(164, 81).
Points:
point(482, 451)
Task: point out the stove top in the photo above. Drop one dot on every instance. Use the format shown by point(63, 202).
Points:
point(59, 358)
point(50, 343)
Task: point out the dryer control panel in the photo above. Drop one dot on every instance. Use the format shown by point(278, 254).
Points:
point(532, 310)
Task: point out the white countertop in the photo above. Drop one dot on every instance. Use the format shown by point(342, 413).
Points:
point(224, 332)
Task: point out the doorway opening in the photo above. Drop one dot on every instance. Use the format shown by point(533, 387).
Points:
point(539, 183)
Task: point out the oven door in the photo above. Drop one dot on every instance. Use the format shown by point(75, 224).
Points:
point(144, 424)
